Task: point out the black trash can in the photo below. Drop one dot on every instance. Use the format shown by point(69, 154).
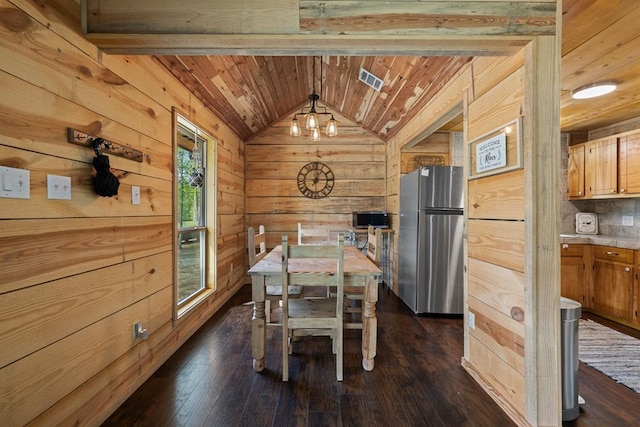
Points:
point(570, 312)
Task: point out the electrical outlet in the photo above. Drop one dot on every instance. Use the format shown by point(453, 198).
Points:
point(135, 195)
point(16, 183)
point(58, 187)
point(472, 320)
point(627, 220)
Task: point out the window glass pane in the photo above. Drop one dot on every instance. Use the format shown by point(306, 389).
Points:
point(191, 153)
point(190, 208)
point(190, 267)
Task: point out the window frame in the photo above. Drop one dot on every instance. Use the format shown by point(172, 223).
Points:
point(208, 211)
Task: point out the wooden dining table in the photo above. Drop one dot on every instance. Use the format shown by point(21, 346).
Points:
point(359, 272)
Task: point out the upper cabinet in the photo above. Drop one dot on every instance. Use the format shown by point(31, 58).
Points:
point(575, 172)
point(601, 172)
point(605, 168)
point(629, 164)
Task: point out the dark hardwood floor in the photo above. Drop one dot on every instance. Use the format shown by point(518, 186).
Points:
point(607, 403)
point(417, 380)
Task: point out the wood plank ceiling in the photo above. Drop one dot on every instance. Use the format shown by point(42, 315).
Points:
point(601, 41)
point(251, 92)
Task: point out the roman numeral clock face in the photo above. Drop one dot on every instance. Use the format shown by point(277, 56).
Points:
point(315, 180)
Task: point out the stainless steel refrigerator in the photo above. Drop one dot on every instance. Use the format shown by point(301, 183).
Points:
point(430, 260)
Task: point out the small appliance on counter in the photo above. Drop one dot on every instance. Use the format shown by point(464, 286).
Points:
point(379, 219)
point(586, 223)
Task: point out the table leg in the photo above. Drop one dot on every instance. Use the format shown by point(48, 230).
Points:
point(258, 323)
point(369, 323)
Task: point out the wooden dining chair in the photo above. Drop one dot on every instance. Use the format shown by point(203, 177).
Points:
point(257, 245)
point(374, 244)
point(318, 235)
point(374, 249)
point(301, 265)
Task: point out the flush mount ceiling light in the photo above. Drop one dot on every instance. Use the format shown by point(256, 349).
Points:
point(593, 90)
point(311, 116)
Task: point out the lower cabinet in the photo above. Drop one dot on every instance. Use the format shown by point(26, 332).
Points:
point(604, 279)
point(572, 272)
point(613, 283)
point(636, 290)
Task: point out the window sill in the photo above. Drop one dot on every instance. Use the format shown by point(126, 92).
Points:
point(194, 302)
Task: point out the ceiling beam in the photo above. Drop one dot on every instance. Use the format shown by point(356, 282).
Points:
point(276, 45)
point(290, 27)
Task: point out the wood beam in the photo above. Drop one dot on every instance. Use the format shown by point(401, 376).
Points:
point(542, 213)
point(429, 17)
point(328, 17)
point(299, 45)
point(289, 27)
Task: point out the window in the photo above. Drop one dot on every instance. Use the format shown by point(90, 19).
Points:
point(193, 180)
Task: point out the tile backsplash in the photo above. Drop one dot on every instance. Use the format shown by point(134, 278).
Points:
point(610, 211)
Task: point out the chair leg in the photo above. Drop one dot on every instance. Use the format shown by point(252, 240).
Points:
point(267, 310)
point(339, 354)
point(285, 356)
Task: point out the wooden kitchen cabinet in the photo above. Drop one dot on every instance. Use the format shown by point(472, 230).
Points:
point(636, 291)
point(601, 170)
point(575, 172)
point(613, 283)
point(629, 163)
point(572, 272)
point(605, 168)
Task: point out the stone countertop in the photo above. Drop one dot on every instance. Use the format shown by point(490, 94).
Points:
point(598, 239)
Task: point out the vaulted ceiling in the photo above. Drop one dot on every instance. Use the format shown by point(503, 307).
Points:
point(251, 92)
point(600, 41)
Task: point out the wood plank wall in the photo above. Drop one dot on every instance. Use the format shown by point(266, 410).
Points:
point(495, 350)
point(76, 274)
point(437, 144)
point(493, 91)
point(274, 158)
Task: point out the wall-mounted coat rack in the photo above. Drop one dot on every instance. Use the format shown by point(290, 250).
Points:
point(101, 144)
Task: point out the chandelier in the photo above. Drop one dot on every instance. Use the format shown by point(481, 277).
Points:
point(312, 116)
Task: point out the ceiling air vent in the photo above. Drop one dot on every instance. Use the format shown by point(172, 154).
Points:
point(370, 80)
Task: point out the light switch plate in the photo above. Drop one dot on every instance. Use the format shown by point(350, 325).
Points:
point(472, 320)
point(135, 195)
point(58, 187)
point(15, 183)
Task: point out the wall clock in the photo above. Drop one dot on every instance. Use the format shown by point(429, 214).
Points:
point(586, 223)
point(315, 180)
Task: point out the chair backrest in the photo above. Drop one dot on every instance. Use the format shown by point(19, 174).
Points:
point(257, 245)
point(318, 235)
point(374, 244)
point(313, 265)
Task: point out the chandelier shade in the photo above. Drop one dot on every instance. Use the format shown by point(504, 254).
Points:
point(294, 128)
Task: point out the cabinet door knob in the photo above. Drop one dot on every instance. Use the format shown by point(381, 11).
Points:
point(622, 190)
point(613, 191)
point(627, 269)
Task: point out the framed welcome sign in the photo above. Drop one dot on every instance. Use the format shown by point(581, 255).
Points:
point(497, 151)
